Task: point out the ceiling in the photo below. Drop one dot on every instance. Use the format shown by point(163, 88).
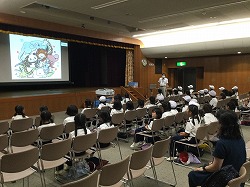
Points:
point(131, 17)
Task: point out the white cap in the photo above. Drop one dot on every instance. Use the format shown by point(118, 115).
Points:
point(201, 91)
point(205, 90)
point(187, 98)
point(212, 93)
point(102, 99)
point(211, 87)
point(235, 88)
point(173, 104)
point(190, 86)
point(179, 88)
point(221, 88)
point(194, 102)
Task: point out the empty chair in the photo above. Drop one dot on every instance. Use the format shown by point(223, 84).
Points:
point(138, 163)
point(112, 174)
point(4, 127)
point(237, 181)
point(89, 181)
point(107, 136)
point(17, 166)
point(160, 150)
point(20, 141)
point(21, 124)
point(52, 154)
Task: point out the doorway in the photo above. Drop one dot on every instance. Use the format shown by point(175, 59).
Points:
point(184, 77)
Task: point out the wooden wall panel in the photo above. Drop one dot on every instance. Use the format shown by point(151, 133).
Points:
point(225, 71)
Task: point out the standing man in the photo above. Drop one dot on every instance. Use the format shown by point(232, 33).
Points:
point(163, 81)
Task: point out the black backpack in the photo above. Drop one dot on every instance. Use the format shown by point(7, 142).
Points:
point(222, 177)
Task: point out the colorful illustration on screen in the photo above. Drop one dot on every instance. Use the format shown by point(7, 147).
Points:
point(35, 58)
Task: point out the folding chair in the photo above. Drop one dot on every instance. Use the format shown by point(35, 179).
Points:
point(21, 124)
point(4, 127)
point(237, 181)
point(112, 174)
point(89, 181)
point(160, 150)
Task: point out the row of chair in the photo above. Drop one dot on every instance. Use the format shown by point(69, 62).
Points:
point(51, 154)
point(128, 169)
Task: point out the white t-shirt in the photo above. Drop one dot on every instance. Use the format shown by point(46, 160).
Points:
point(163, 81)
point(114, 111)
point(174, 111)
point(209, 118)
point(159, 97)
point(69, 119)
point(191, 128)
point(213, 102)
point(184, 109)
point(104, 126)
point(79, 132)
point(19, 117)
point(45, 125)
point(165, 114)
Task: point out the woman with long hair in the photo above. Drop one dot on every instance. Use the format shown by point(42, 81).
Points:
point(229, 150)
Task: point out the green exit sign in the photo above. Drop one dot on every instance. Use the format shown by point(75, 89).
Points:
point(181, 63)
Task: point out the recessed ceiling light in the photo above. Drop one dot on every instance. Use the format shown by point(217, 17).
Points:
point(239, 52)
point(166, 57)
point(23, 12)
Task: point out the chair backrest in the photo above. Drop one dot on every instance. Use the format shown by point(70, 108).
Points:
point(201, 100)
point(84, 142)
point(213, 128)
point(56, 150)
point(37, 121)
point(21, 124)
point(4, 127)
point(20, 161)
point(24, 138)
point(237, 181)
point(201, 132)
point(139, 159)
point(169, 120)
point(247, 166)
point(130, 115)
point(107, 135)
point(238, 113)
point(3, 141)
point(141, 112)
point(69, 127)
point(160, 148)
point(117, 118)
point(89, 181)
point(105, 108)
point(113, 173)
point(157, 124)
point(90, 112)
point(179, 117)
point(150, 109)
point(51, 132)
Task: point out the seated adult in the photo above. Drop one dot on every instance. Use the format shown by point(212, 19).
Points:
point(229, 150)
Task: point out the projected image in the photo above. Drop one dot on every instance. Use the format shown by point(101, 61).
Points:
point(35, 58)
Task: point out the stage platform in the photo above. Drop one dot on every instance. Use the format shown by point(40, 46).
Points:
point(56, 99)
